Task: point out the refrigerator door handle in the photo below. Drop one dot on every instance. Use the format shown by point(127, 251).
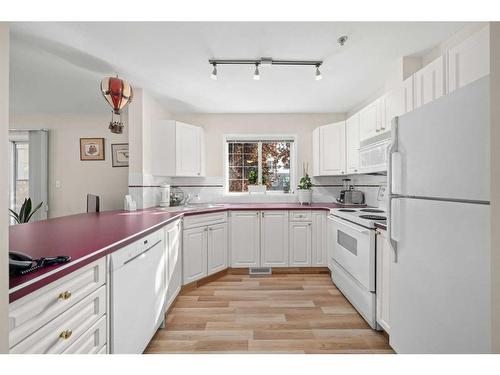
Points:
point(393, 148)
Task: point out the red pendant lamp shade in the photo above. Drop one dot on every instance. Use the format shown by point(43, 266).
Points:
point(118, 93)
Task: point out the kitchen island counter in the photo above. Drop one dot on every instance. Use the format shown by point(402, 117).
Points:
point(90, 236)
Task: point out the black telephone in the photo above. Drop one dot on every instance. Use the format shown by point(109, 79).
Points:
point(21, 264)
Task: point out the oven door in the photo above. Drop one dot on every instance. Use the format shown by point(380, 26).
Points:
point(353, 248)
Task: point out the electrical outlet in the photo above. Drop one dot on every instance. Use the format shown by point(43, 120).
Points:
point(58, 184)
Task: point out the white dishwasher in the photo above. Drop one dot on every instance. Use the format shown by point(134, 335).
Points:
point(137, 293)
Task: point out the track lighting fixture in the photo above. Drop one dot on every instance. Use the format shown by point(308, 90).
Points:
point(214, 72)
point(318, 74)
point(265, 61)
point(256, 74)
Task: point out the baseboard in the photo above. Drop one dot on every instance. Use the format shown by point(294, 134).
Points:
point(284, 270)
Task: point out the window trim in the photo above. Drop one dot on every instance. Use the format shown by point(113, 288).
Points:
point(256, 138)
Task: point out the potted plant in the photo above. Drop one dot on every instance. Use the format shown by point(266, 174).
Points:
point(304, 189)
point(25, 213)
point(253, 186)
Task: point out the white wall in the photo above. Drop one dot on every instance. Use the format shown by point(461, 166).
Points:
point(4, 186)
point(216, 125)
point(77, 177)
point(143, 110)
point(495, 181)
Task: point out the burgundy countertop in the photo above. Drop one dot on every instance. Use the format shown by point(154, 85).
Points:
point(90, 236)
point(381, 226)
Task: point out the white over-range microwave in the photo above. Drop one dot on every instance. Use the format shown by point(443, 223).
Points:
point(373, 153)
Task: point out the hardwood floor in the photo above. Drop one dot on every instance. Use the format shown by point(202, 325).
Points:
point(282, 313)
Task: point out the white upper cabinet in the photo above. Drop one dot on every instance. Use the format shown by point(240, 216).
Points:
point(352, 143)
point(470, 60)
point(368, 121)
point(408, 96)
point(245, 239)
point(332, 151)
point(177, 149)
point(316, 152)
point(430, 83)
point(274, 238)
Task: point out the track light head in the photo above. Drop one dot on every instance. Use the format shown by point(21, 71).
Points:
point(214, 72)
point(318, 74)
point(256, 74)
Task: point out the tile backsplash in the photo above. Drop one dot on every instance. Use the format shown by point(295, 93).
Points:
point(326, 189)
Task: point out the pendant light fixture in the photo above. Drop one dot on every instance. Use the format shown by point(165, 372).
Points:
point(214, 72)
point(256, 74)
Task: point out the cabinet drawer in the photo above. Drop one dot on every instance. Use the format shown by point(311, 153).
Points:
point(91, 341)
point(204, 219)
point(75, 321)
point(31, 312)
point(301, 215)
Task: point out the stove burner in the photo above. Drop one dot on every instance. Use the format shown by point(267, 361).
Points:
point(373, 217)
point(346, 210)
point(375, 211)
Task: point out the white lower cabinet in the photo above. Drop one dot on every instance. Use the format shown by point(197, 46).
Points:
point(318, 237)
point(383, 280)
point(92, 341)
point(217, 248)
point(194, 250)
point(274, 238)
point(245, 239)
point(300, 244)
point(174, 261)
point(60, 333)
point(204, 247)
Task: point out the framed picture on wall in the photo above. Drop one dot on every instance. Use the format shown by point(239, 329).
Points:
point(91, 148)
point(119, 154)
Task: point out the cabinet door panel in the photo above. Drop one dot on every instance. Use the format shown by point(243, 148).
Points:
point(300, 244)
point(188, 149)
point(368, 122)
point(383, 280)
point(470, 60)
point(194, 248)
point(274, 238)
point(174, 274)
point(319, 249)
point(332, 149)
point(429, 82)
point(245, 239)
point(217, 248)
point(352, 143)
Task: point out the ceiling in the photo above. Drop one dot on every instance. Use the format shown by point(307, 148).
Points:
point(57, 67)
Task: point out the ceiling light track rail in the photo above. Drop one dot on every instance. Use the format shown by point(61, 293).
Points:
point(263, 61)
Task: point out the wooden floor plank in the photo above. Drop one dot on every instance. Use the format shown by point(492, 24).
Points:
point(280, 313)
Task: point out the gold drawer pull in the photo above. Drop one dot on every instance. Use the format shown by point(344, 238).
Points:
point(66, 334)
point(65, 295)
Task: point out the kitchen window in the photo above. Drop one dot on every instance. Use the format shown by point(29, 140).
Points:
point(264, 162)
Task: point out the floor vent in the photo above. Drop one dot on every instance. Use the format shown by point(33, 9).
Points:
point(259, 271)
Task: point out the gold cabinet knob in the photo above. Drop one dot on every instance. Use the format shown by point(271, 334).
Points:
point(66, 334)
point(65, 295)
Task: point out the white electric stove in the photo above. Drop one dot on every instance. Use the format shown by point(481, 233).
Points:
point(352, 250)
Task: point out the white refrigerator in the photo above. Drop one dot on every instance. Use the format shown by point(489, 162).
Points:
point(439, 225)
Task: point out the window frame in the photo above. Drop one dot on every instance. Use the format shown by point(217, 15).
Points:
point(292, 138)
